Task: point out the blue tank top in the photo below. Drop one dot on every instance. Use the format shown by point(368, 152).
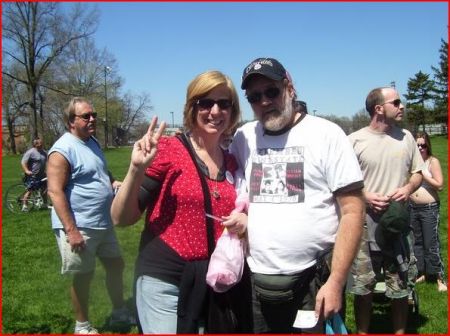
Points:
point(88, 191)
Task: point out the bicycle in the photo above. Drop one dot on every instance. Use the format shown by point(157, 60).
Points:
point(14, 197)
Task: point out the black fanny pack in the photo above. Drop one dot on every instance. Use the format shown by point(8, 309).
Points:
point(282, 288)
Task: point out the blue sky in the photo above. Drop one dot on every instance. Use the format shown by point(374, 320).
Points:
point(335, 52)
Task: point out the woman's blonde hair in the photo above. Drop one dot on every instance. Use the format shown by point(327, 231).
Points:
point(199, 87)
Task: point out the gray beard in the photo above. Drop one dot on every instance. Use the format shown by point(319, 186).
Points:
point(279, 120)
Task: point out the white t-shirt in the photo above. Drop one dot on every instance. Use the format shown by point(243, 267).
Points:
point(291, 178)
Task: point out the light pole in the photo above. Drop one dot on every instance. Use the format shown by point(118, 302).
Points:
point(106, 69)
point(173, 124)
point(314, 112)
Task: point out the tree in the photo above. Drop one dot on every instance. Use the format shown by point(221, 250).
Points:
point(135, 113)
point(360, 120)
point(13, 107)
point(35, 34)
point(441, 84)
point(80, 71)
point(419, 93)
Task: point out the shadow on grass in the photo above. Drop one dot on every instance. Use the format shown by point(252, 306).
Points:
point(381, 322)
point(120, 328)
point(64, 323)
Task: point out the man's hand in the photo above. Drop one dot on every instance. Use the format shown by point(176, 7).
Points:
point(76, 241)
point(328, 299)
point(376, 201)
point(116, 184)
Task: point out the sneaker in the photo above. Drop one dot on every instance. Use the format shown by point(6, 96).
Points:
point(25, 208)
point(442, 287)
point(87, 330)
point(122, 316)
point(420, 279)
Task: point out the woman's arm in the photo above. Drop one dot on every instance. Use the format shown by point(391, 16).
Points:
point(125, 207)
point(437, 179)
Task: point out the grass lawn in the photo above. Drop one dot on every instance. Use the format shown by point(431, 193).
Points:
point(36, 297)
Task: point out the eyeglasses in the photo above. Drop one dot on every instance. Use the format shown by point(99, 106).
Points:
point(87, 116)
point(206, 103)
point(422, 145)
point(395, 102)
point(271, 93)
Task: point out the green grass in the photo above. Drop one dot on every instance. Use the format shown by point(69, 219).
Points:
point(36, 297)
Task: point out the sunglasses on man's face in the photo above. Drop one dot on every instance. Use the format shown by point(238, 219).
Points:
point(207, 103)
point(395, 102)
point(271, 93)
point(87, 116)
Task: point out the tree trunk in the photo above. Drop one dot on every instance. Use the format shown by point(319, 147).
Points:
point(41, 117)
point(34, 128)
point(12, 138)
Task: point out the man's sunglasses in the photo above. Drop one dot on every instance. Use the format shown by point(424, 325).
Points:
point(395, 102)
point(87, 116)
point(206, 103)
point(271, 93)
point(422, 145)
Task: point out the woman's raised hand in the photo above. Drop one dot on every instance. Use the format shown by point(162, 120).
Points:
point(144, 150)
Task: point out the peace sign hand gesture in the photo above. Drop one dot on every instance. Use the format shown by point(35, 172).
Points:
point(144, 150)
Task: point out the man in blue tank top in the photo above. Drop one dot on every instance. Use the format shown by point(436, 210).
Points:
point(81, 190)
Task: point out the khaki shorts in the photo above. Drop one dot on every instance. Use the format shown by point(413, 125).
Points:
point(366, 272)
point(99, 243)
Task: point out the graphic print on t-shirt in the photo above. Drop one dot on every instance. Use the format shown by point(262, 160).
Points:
point(277, 175)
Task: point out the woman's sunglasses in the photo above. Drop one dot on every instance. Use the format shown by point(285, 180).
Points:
point(206, 103)
point(271, 93)
point(422, 145)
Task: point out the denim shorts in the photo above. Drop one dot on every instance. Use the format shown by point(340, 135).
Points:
point(157, 304)
point(99, 243)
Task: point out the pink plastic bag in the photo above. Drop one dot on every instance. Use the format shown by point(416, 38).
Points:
point(227, 262)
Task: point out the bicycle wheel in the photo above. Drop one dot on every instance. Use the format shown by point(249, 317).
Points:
point(14, 199)
point(44, 195)
point(37, 199)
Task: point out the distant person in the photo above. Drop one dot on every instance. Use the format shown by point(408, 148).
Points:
point(391, 165)
point(226, 140)
point(301, 106)
point(301, 246)
point(33, 165)
point(81, 190)
point(175, 180)
point(425, 217)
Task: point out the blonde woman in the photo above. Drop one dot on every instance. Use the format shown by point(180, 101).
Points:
point(171, 289)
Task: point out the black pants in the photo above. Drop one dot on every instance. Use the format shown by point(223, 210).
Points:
point(425, 223)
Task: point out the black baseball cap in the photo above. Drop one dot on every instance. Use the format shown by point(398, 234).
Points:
point(268, 67)
point(395, 219)
point(391, 225)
